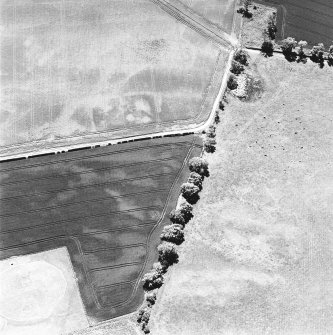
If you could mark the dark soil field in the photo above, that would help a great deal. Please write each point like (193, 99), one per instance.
(78, 72)
(106, 205)
(309, 20)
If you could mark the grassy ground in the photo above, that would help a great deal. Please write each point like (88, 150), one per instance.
(253, 32)
(106, 205)
(77, 72)
(258, 255)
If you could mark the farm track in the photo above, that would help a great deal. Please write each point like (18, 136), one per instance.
(210, 33)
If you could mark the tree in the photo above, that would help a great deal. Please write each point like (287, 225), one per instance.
(199, 165)
(330, 56)
(236, 67)
(190, 192)
(241, 56)
(317, 53)
(267, 48)
(217, 117)
(209, 144)
(152, 279)
(245, 9)
(196, 179)
(288, 45)
(177, 217)
(232, 82)
(221, 104)
(143, 318)
(167, 253)
(151, 298)
(301, 53)
(211, 132)
(173, 233)
(271, 27)
(186, 209)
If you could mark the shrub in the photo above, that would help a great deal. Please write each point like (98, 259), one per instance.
(217, 117)
(150, 298)
(145, 328)
(167, 254)
(190, 192)
(199, 165)
(241, 57)
(267, 48)
(209, 145)
(236, 67)
(196, 179)
(271, 27)
(152, 279)
(232, 82)
(173, 233)
(186, 209)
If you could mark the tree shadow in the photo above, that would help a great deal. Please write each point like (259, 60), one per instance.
(290, 56)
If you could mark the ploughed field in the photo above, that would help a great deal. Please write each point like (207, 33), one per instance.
(106, 205)
(310, 20)
(75, 72)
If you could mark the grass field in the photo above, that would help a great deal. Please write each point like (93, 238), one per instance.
(257, 258)
(106, 205)
(39, 295)
(75, 72)
(308, 20)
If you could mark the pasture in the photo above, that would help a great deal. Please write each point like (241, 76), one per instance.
(106, 205)
(309, 20)
(75, 72)
(258, 253)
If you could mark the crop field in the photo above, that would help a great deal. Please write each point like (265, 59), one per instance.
(75, 72)
(218, 12)
(309, 20)
(106, 205)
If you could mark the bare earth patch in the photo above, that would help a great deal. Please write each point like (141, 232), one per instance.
(258, 255)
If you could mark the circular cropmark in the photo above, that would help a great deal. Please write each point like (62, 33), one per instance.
(30, 292)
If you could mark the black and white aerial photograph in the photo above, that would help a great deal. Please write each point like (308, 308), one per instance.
(166, 167)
